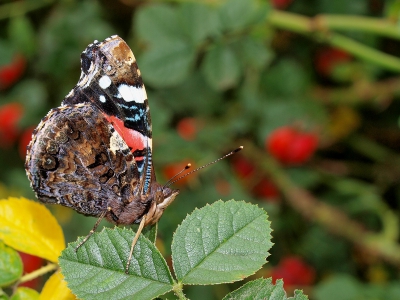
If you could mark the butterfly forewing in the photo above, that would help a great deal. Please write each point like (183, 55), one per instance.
(111, 80)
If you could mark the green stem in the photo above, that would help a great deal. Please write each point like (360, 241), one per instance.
(38, 272)
(319, 27)
(179, 291)
(377, 26)
(18, 8)
(324, 23)
(362, 51)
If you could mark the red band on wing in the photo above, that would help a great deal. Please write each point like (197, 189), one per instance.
(134, 139)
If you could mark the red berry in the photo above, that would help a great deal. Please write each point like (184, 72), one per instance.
(11, 72)
(10, 114)
(302, 148)
(24, 140)
(242, 166)
(266, 189)
(187, 128)
(31, 263)
(291, 146)
(327, 59)
(281, 4)
(294, 271)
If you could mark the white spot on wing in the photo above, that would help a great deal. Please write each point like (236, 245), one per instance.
(117, 143)
(104, 82)
(102, 98)
(131, 93)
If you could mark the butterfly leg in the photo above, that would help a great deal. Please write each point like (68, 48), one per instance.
(141, 225)
(94, 228)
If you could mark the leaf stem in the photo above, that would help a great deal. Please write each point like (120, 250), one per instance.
(38, 272)
(320, 27)
(179, 291)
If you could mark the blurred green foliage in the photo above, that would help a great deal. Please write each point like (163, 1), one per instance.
(242, 69)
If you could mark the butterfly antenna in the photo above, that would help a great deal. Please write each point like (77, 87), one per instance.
(170, 182)
(176, 175)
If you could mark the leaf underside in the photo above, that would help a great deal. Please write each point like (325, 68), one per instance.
(97, 269)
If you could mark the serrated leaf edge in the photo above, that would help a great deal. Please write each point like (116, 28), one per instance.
(207, 205)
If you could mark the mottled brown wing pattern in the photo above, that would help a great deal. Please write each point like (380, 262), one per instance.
(78, 160)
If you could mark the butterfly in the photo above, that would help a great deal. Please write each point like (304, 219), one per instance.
(94, 152)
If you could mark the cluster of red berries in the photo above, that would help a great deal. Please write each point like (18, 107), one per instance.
(10, 132)
(12, 113)
(291, 146)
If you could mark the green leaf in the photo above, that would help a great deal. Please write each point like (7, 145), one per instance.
(168, 64)
(221, 67)
(276, 83)
(198, 21)
(97, 269)
(7, 52)
(254, 53)
(10, 265)
(222, 242)
(157, 24)
(263, 289)
(22, 34)
(36, 92)
(237, 14)
(188, 97)
(150, 232)
(339, 287)
(3, 295)
(66, 33)
(24, 293)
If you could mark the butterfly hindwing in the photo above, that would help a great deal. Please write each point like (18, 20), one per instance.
(79, 161)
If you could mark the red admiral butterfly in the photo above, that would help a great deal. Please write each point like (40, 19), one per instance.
(94, 152)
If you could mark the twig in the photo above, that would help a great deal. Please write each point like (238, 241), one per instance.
(373, 92)
(38, 272)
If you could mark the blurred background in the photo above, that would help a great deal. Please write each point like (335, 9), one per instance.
(310, 88)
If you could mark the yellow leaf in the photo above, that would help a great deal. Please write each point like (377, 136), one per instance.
(56, 288)
(29, 227)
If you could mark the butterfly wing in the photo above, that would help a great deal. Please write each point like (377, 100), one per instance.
(111, 81)
(78, 160)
